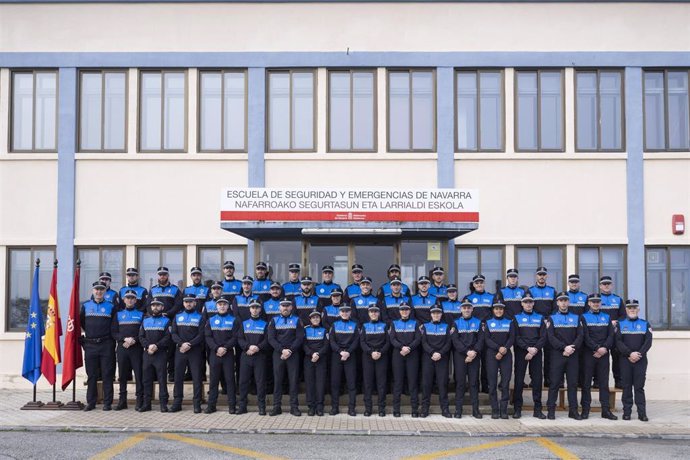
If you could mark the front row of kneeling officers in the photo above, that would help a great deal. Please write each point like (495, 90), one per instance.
(402, 343)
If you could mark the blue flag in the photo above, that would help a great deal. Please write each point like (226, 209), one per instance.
(33, 347)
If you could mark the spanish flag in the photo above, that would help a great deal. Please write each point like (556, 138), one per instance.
(51, 343)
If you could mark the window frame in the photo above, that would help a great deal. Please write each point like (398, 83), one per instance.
(516, 118)
(100, 249)
(183, 247)
(222, 71)
(479, 248)
(10, 125)
(600, 248)
(598, 72)
(315, 100)
(222, 249)
(8, 272)
(351, 72)
(540, 263)
(162, 73)
(665, 71)
(669, 325)
(478, 72)
(410, 71)
(102, 72)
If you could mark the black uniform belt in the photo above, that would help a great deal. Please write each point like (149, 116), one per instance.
(97, 339)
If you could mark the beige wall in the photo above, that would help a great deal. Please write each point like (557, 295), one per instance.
(666, 192)
(361, 27)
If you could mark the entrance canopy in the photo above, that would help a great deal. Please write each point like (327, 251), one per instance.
(261, 213)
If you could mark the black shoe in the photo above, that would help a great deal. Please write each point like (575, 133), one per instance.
(334, 411)
(121, 405)
(275, 411)
(311, 412)
(319, 412)
(584, 415)
(197, 408)
(262, 411)
(352, 413)
(396, 414)
(232, 410)
(243, 410)
(495, 414)
(89, 407)
(296, 412)
(619, 385)
(476, 413)
(626, 416)
(446, 413)
(107, 407)
(539, 414)
(164, 408)
(642, 418)
(504, 413)
(608, 415)
(382, 412)
(175, 408)
(367, 413)
(146, 408)
(574, 415)
(209, 409)
(457, 414)
(424, 413)
(415, 414)
(517, 413)
(552, 414)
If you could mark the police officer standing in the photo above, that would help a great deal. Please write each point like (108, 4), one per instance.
(599, 338)
(374, 342)
(188, 336)
(344, 339)
(99, 323)
(363, 301)
(272, 305)
(467, 341)
(499, 337)
(577, 298)
(210, 306)
(386, 288)
(221, 332)
(633, 340)
(293, 285)
(437, 288)
(110, 295)
(512, 294)
(285, 335)
(331, 313)
(241, 301)
(436, 345)
(564, 332)
(231, 285)
(481, 302)
(390, 303)
(155, 339)
(306, 301)
(530, 338)
(129, 351)
(324, 288)
(612, 305)
(253, 343)
(171, 297)
(422, 301)
(405, 338)
(133, 284)
(201, 292)
(316, 347)
(452, 306)
(544, 304)
(352, 291)
(262, 282)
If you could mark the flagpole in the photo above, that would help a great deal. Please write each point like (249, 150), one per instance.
(33, 404)
(73, 404)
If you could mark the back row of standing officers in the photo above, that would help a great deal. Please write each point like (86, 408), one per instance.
(261, 330)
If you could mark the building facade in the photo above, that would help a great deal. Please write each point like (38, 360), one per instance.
(120, 123)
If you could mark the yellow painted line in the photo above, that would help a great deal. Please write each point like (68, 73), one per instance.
(121, 447)
(220, 447)
(469, 449)
(556, 449)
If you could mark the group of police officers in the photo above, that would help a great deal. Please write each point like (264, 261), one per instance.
(256, 332)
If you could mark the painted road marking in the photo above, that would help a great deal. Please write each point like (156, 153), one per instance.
(121, 447)
(556, 449)
(220, 447)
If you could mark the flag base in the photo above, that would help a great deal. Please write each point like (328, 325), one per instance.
(52, 405)
(32, 405)
(72, 405)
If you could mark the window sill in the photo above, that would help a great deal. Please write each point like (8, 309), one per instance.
(162, 156)
(666, 155)
(354, 156)
(12, 336)
(541, 156)
(670, 334)
(28, 156)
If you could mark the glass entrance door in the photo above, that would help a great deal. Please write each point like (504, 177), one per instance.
(376, 258)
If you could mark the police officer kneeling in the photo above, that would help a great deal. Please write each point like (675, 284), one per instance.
(188, 336)
(221, 337)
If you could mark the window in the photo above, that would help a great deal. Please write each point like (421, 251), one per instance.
(539, 121)
(102, 110)
(291, 110)
(668, 287)
(528, 259)
(34, 111)
(411, 110)
(479, 110)
(211, 259)
(352, 111)
(599, 110)
(150, 258)
(278, 255)
(485, 260)
(97, 260)
(223, 111)
(20, 275)
(666, 112)
(595, 262)
(162, 111)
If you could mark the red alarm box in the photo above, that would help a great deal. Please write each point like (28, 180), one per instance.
(678, 222)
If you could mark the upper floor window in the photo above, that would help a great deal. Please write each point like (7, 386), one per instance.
(666, 114)
(291, 110)
(223, 111)
(411, 110)
(668, 287)
(34, 111)
(539, 120)
(479, 110)
(162, 111)
(102, 110)
(599, 110)
(352, 110)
